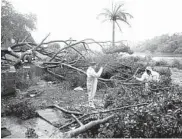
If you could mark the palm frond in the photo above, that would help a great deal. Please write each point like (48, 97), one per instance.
(128, 14)
(116, 14)
(112, 7)
(118, 26)
(105, 20)
(118, 8)
(108, 11)
(104, 14)
(122, 15)
(125, 21)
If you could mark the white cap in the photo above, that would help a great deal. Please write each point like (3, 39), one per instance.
(148, 68)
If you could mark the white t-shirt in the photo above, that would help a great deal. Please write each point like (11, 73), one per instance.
(154, 76)
(91, 74)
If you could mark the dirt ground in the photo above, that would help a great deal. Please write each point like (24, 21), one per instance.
(46, 94)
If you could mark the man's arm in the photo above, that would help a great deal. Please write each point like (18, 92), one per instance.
(96, 75)
(142, 78)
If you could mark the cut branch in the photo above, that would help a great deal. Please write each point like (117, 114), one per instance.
(42, 42)
(116, 109)
(55, 75)
(86, 127)
(67, 111)
(26, 38)
(77, 119)
(106, 111)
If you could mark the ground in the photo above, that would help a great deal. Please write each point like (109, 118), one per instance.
(47, 94)
(44, 94)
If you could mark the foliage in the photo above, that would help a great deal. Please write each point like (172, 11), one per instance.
(118, 49)
(15, 25)
(161, 62)
(47, 77)
(115, 15)
(161, 118)
(30, 133)
(53, 47)
(162, 44)
(176, 63)
(22, 109)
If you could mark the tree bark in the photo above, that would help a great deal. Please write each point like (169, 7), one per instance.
(113, 33)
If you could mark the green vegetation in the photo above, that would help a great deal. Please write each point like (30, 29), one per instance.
(162, 44)
(15, 26)
(175, 63)
(115, 15)
(21, 109)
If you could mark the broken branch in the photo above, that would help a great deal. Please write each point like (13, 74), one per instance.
(116, 109)
(56, 75)
(42, 42)
(77, 119)
(67, 111)
(26, 38)
(86, 127)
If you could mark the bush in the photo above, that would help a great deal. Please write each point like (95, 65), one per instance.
(160, 119)
(177, 64)
(22, 110)
(161, 62)
(47, 77)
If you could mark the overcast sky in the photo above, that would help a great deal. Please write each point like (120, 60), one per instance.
(78, 18)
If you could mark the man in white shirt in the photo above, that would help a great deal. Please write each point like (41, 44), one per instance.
(92, 80)
(149, 75)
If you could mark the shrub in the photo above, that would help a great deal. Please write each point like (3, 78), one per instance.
(161, 62)
(165, 75)
(47, 77)
(160, 119)
(177, 64)
(22, 110)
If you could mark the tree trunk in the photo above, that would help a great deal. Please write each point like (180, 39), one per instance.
(113, 33)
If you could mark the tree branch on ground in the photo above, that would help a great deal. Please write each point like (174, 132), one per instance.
(55, 75)
(86, 127)
(80, 123)
(67, 111)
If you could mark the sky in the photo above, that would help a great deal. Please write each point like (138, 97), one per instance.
(78, 19)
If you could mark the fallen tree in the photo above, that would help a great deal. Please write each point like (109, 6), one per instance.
(55, 58)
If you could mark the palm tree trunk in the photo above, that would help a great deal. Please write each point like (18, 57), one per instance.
(113, 33)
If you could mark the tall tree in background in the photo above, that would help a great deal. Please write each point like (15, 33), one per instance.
(15, 26)
(115, 15)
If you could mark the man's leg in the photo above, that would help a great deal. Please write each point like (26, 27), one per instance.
(146, 87)
(94, 88)
(93, 92)
(90, 92)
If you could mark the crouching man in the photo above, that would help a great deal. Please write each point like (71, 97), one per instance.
(148, 76)
(92, 80)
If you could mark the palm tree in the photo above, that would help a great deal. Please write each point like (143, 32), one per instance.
(115, 15)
